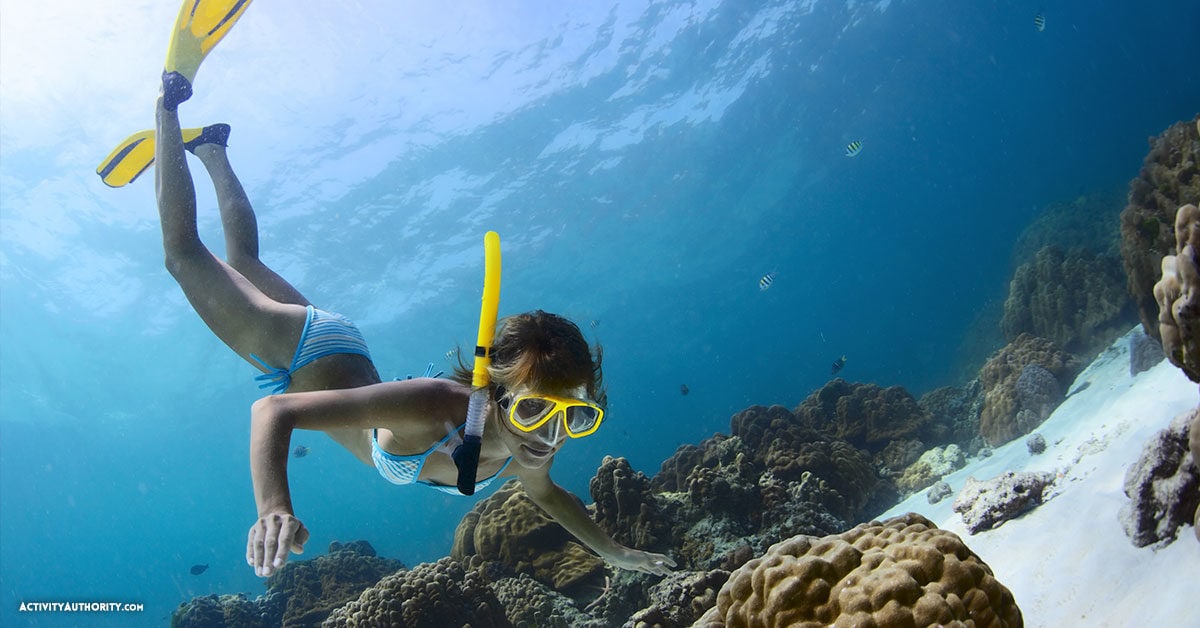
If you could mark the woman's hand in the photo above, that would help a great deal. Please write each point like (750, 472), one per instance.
(270, 539)
(637, 560)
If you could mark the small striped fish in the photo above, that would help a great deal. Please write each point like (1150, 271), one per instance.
(1039, 22)
(766, 281)
(853, 148)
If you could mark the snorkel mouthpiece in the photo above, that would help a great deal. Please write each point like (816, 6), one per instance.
(466, 454)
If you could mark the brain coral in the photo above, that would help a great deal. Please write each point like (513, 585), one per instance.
(1076, 298)
(1170, 177)
(1178, 295)
(901, 572)
(429, 595)
(509, 528)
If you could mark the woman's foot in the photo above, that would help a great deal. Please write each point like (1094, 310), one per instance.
(217, 134)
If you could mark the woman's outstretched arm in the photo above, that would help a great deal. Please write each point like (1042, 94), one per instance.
(277, 529)
(346, 415)
(569, 512)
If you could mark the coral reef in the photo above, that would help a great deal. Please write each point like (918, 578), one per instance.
(733, 496)
(986, 505)
(1178, 295)
(787, 445)
(864, 415)
(930, 467)
(430, 595)
(528, 602)
(625, 505)
(1090, 222)
(680, 599)
(230, 611)
(1144, 353)
(1075, 298)
(1169, 178)
(303, 593)
(315, 587)
(510, 529)
(956, 412)
(901, 572)
(1163, 485)
(1016, 401)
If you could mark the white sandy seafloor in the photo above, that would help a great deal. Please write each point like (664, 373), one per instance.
(1068, 562)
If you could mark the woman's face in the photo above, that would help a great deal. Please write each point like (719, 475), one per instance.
(537, 448)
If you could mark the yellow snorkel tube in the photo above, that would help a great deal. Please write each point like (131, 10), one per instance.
(466, 454)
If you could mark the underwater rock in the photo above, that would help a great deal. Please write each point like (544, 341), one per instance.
(986, 505)
(939, 491)
(1163, 485)
(1036, 443)
(1038, 394)
(1006, 394)
(1075, 298)
(313, 588)
(1194, 446)
(509, 528)
(1144, 353)
(930, 467)
(900, 572)
(1178, 296)
(1169, 179)
(432, 595)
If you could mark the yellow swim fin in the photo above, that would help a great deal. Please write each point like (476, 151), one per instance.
(200, 26)
(133, 156)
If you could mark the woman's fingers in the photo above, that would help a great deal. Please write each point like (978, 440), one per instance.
(270, 539)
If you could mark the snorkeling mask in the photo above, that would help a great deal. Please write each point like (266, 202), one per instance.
(531, 412)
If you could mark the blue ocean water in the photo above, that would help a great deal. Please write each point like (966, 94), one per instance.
(645, 163)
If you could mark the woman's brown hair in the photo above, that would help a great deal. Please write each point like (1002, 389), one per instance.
(543, 351)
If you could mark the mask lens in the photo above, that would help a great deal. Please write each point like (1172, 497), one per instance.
(529, 410)
(581, 418)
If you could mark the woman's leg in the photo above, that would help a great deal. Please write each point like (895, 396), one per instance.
(240, 314)
(241, 228)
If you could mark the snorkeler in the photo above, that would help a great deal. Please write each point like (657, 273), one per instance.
(546, 383)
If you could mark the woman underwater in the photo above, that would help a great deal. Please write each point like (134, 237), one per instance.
(545, 380)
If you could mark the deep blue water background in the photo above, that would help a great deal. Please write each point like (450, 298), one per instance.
(644, 163)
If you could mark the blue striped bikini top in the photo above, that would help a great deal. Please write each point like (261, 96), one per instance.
(325, 333)
(407, 469)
